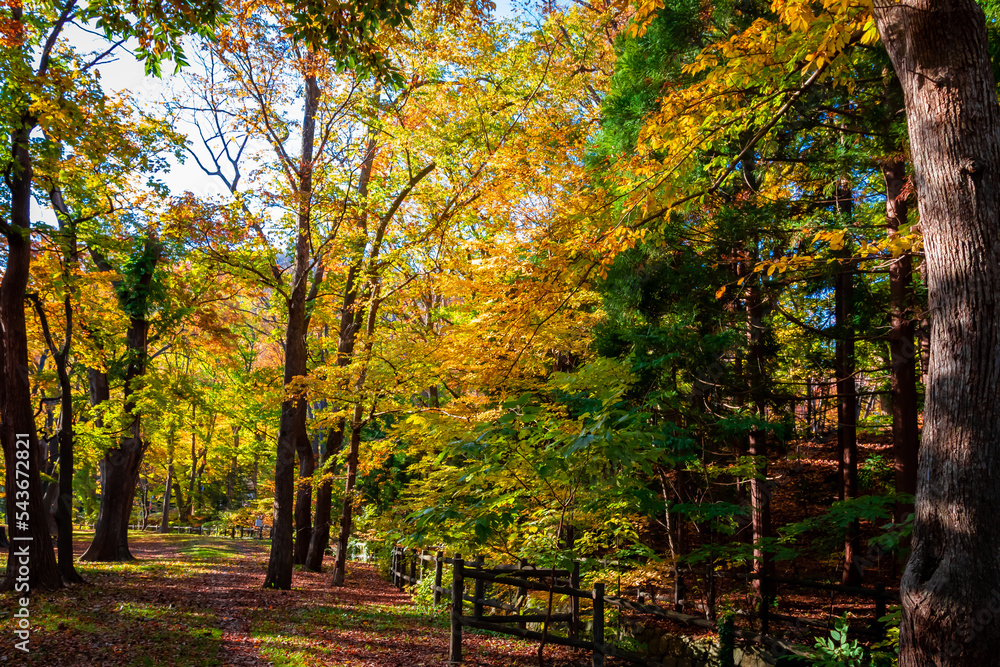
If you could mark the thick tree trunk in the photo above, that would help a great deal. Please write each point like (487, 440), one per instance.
(120, 466)
(27, 521)
(951, 604)
(119, 476)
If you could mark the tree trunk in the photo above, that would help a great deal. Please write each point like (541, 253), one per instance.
(347, 507)
(303, 496)
(902, 344)
(179, 494)
(847, 397)
(234, 471)
(760, 497)
(121, 464)
(324, 494)
(165, 518)
(26, 515)
(64, 506)
(351, 318)
(346, 516)
(949, 591)
(293, 410)
(194, 468)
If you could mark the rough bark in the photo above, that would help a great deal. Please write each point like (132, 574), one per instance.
(27, 522)
(949, 591)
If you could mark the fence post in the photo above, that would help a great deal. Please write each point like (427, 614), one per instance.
(478, 591)
(457, 584)
(392, 566)
(574, 601)
(400, 582)
(597, 659)
(413, 567)
(438, 571)
(522, 592)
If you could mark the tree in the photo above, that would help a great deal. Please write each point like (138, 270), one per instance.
(34, 69)
(940, 53)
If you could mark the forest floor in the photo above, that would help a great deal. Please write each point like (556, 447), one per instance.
(197, 601)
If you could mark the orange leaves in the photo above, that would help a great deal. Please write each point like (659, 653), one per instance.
(645, 11)
(827, 34)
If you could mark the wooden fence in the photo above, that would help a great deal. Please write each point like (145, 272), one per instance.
(410, 567)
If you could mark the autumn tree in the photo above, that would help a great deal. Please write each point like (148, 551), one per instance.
(35, 70)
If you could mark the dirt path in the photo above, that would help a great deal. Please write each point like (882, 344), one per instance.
(223, 589)
(194, 601)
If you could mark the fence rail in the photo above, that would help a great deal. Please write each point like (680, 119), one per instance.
(411, 567)
(245, 532)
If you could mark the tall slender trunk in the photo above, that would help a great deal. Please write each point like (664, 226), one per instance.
(292, 428)
(760, 497)
(165, 518)
(949, 591)
(847, 398)
(303, 496)
(324, 493)
(357, 422)
(234, 471)
(347, 507)
(351, 318)
(179, 495)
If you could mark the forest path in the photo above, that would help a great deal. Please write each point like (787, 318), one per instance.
(191, 601)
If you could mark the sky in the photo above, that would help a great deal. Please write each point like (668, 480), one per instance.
(124, 73)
